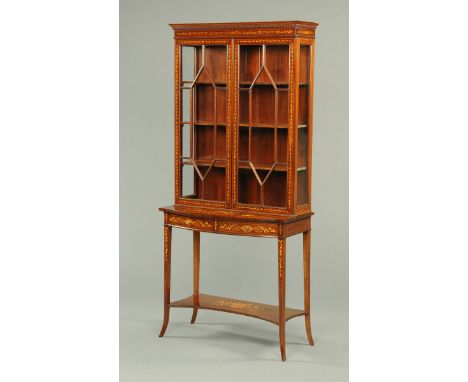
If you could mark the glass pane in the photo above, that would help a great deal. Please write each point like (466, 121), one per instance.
(263, 96)
(249, 63)
(303, 127)
(204, 103)
(243, 106)
(188, 174)
(221, 104)
(277, 62)
(204, 142)
(188, 63)
(186, 140)
(215, 64)
(185, 114)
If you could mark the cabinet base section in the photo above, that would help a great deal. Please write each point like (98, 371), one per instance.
(246, 308)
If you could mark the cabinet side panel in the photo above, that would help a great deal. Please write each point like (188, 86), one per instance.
(177, 107)
(304, 125)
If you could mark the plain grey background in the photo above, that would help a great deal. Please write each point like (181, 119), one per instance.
(222, 346)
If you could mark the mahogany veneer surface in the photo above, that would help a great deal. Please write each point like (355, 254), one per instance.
(246, 308)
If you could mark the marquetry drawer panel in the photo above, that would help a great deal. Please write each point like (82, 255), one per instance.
(192, 223)
(254, 229)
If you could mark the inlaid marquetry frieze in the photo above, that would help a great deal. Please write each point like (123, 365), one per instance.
(251, 228)
(190, 222)
(239, 32)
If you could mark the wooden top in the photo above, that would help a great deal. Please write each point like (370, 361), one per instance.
(245, 29)
(245, 25)
(231, 214)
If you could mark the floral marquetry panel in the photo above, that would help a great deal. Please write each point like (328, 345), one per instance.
(244, 226)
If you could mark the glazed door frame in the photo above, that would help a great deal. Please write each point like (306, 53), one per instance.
(291, 123)
(178, 122)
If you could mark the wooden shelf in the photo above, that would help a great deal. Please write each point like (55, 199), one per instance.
(269, 125)
(283, 85)
(246, 308)
(217, 83)
(221, 163)
(243, 84)
(259, 125)
(247, 84)
(203, 123)
(264, 125)
(263, 166)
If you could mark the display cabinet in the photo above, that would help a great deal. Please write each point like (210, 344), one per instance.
(243, 148)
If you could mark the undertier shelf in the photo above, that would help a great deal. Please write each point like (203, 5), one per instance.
(265, 312)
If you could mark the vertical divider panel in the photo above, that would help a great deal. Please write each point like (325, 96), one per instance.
(229, 124)
(291, 126)
(177, 108)
(310, 120)
(235, 119)
(296, 120)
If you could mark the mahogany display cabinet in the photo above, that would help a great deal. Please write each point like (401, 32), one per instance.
(243, 149)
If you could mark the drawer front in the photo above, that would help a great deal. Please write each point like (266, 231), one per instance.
(191, 223)
(225, 226)
(253, 229)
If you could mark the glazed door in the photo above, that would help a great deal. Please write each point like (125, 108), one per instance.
(263, 125)
(202, 123)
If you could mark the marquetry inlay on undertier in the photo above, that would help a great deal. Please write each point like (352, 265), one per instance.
(236, 305)
(254, 309)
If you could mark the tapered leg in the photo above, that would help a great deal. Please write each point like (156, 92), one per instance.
(282, 295)
(196, 274)
(167, 276)
(306, 250)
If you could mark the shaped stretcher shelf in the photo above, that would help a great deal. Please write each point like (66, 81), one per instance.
(246, 308)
